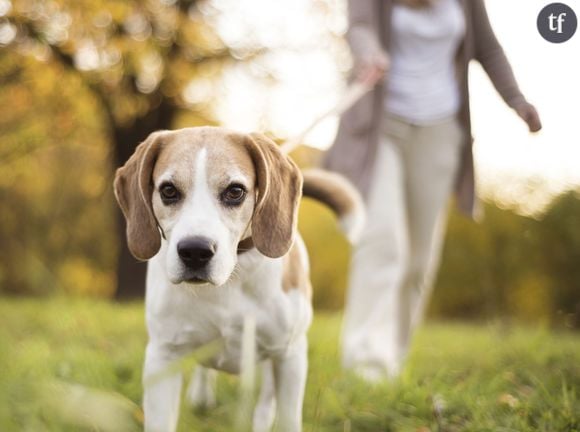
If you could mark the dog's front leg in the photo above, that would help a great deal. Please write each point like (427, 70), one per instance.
(162, 389)
(290, 380)
(266, 406)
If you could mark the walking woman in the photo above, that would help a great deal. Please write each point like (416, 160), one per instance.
(407, 146)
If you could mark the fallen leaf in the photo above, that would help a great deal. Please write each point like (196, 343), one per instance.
(509, 400)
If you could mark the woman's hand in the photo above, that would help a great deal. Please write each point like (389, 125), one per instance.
(529, 114)
(372, 70)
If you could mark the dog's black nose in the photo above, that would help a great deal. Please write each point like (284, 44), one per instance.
(196, 252)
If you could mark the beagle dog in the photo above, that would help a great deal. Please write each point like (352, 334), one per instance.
(215, 214)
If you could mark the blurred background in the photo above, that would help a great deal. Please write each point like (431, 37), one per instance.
(83, 82)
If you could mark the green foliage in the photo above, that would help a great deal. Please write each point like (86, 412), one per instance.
(133, 55)
(513, 266)
(329, 254)
(55, 200)
(459, 377)
(84, 81)
(560, 251)
(82, 84)
(506, 266)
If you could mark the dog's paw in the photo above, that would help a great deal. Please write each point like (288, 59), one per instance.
(264, 414)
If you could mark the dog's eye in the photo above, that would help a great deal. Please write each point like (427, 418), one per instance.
(233, 195)
(169, 193)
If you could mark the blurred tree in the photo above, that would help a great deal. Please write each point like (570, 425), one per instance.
(487, 266)
(513, 266)
(55, 201)
(559, 234)
(136, 58)
(82, 83)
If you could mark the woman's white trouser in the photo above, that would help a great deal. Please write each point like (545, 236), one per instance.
(394, 264)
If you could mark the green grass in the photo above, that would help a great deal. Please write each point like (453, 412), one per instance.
(490, 378)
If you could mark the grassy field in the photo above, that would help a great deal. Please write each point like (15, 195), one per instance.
(66, 363)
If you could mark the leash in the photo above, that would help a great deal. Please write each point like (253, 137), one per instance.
(353, 94)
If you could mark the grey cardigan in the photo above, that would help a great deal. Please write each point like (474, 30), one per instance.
(353, 152)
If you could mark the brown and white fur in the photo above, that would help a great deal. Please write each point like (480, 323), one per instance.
(215, 214)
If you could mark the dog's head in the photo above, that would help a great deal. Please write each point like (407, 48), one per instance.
(204, 190)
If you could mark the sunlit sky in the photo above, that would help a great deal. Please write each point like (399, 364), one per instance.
(309, 61)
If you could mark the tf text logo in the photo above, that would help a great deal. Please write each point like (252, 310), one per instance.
(557, 22)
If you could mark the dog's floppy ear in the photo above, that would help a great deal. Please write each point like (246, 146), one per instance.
(279, 191)
(133, 189)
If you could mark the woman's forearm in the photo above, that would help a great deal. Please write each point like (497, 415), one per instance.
(491, 55)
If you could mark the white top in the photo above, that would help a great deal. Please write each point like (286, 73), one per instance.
(421, 84)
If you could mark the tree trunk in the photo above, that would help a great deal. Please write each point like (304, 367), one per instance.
(130, 272)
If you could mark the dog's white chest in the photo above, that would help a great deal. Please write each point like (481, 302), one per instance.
(187, 320)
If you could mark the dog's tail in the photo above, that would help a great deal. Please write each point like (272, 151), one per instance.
(340, 195)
